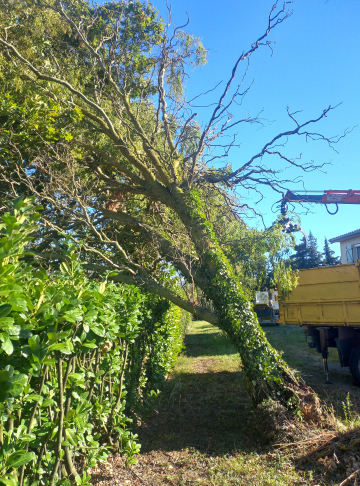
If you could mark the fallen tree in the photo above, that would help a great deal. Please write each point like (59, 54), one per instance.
(119, 161)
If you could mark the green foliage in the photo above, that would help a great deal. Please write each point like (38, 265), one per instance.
(329, 259)
(309, 257)
(67, 362)
(123, 137)
(314, 256)
(352, 419)
(286, 279)
(153, 353)
(254, 254)
(191, 48)
(31, 117)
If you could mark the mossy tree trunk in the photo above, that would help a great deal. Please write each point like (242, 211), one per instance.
(267, 375)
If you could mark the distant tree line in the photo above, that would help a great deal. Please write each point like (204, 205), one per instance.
(311, 257)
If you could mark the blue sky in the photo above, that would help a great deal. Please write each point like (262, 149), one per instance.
(315, 63)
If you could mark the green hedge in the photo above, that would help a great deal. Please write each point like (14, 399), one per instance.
(79, 362)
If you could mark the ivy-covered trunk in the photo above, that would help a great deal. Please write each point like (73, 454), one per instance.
(266, 374)
(148, 155)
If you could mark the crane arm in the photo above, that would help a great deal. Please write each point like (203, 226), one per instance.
(326, 197)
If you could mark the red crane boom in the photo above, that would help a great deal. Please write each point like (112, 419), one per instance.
(327, 197)
(323, 197)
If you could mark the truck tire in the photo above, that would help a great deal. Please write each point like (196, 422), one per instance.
(355, 363)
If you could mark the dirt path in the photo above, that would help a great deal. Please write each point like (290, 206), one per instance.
(204, 431)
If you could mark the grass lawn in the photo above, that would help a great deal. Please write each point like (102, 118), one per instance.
(205, 431)
(292, 341)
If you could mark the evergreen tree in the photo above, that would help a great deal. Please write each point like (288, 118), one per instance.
(314, 256)
(329, 259)
(299, 259)
(309, 257)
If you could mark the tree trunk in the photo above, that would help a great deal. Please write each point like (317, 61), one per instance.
(266, 374)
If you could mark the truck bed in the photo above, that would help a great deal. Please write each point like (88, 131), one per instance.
(325, 296)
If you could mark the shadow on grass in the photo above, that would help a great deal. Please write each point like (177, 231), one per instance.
(292, 341)
(202, 406)
(207, 408)
(210, 412)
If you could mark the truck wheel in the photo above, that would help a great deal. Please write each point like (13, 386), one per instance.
(355, 363)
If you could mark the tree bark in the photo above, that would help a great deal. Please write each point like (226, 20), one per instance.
(266, 374)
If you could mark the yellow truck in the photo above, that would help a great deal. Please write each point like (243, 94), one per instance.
(326, 302)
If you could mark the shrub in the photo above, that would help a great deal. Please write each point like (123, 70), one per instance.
(77, 361)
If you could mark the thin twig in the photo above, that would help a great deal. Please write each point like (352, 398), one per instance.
(355, 473)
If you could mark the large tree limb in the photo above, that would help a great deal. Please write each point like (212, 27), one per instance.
(145, 283)
(149, 285)
(111, 161)
(120, 144)
(184, 262)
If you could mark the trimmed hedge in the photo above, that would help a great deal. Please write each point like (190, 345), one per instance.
(79, 362)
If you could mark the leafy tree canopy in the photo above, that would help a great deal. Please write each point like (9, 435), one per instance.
(96, 123)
